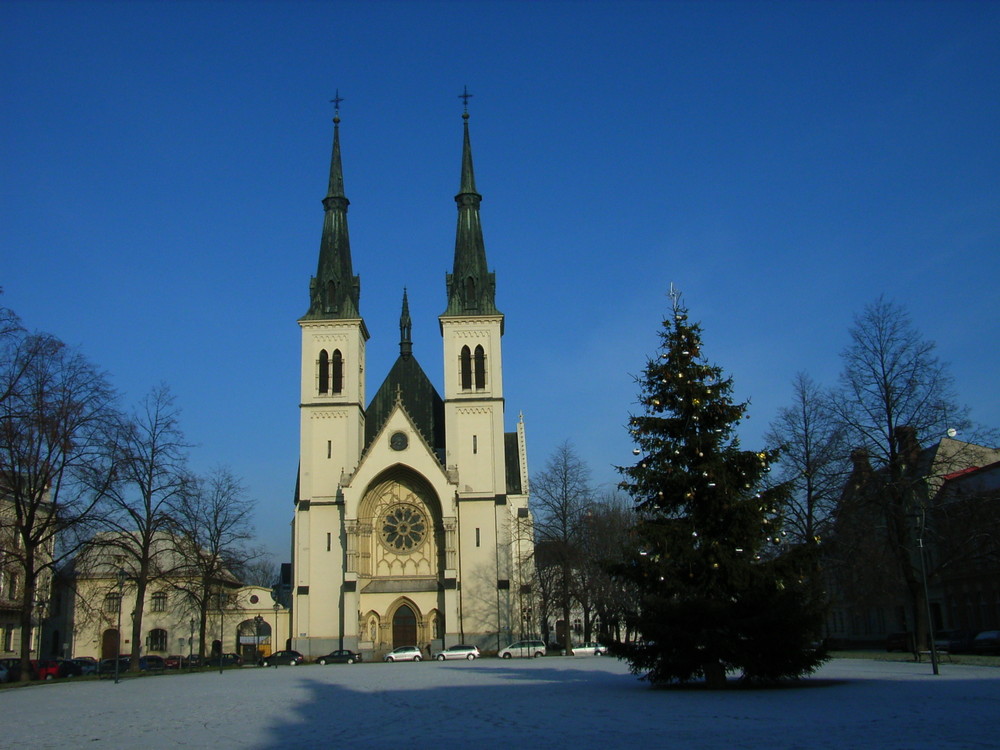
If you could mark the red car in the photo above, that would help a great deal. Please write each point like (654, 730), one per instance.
(45, 669)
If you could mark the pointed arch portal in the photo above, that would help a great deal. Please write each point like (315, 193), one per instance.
(404, 627)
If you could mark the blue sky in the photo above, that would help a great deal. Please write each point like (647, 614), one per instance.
(783, 164)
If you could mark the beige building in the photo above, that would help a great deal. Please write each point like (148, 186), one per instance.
(411, 518)
(93, 606)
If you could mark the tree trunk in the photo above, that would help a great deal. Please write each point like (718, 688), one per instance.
(715, 675)
(27, 609)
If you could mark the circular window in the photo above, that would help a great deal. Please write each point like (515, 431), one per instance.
(254, 598)
(404, 528)
(399, 441)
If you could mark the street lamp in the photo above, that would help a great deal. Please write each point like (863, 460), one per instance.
(118, 651)
(257, 622)
(274, 635)
(927, 597)
(191, 644)
(222, 630)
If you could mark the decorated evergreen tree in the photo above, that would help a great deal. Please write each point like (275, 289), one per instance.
(720, 591)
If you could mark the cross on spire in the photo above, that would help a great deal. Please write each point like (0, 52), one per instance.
(465, 96)
(337, 99)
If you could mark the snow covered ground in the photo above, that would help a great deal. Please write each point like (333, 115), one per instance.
(556, 702)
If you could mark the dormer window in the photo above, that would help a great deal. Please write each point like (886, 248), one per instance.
(470, 292)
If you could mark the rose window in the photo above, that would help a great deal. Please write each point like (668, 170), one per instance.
(403, 528)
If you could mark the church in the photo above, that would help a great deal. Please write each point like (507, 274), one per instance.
(412, 525)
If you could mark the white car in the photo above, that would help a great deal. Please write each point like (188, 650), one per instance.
(459, 651)
(525, 649)
(404, 653)
(589, 649)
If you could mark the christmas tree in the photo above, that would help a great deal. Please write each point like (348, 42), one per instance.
(719, 591)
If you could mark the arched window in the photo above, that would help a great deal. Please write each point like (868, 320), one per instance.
(337, 362)
(158, 602)
(480, 368)
(324, 372)
(158, 640)
(465, 365)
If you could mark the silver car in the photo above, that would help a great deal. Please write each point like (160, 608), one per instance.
(459, 651)
(525, 649)
(404, 653)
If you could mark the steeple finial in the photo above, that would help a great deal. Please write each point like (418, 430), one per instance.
(335, 291)
(471, 286)
(405, 325)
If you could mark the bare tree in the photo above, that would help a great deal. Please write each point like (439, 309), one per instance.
(212, 530)
(561, 494)
(894, 390)
(55, 408)
(813, 461)
(151, 456)
(607, 526)
(262, 571)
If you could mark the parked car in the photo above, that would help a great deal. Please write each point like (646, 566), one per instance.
(87, 664)
(960, 641)
(459, 651)
(404, 653)
(69, 668)
(4, 674)
(107, 666)
(524, 649)
(152, 663)
(13, 665)
(987, 642)
(591, 648)
(291, 658)
(228, 660)
(45, 669)
(175, 661)
(899, 642)
(341, 656)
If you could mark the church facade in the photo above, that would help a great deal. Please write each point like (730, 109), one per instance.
(412, 525)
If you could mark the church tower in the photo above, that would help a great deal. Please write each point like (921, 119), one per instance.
(332, 389)
(411, 524)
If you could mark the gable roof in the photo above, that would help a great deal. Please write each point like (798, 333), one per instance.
(408, 383)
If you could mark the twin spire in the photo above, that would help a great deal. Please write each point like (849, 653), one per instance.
(335, 291)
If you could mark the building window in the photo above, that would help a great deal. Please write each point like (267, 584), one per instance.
(112, 603)
(158, 640)
(12, 586)
(8, 638)
(465, 365)
(159, 602)
(337, 371)
(475, 444)
(324, 372)
(477, 536)
(480, 368)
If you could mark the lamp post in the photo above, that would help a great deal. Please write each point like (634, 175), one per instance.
(118, 650)
(274, 636)
(927, 597)
(222, 630)
(191, 644)
(256, 629)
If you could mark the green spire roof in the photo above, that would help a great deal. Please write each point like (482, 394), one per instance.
(471, 286)
(335, 291)
(405, 326)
